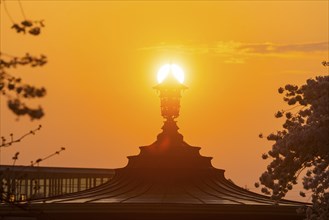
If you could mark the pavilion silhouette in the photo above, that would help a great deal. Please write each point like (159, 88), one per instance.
(168, 179)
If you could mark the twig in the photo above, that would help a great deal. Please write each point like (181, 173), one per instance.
(22, 10)
(47, 157)
(12, 140)
(7, 12)
(15, 158)
(6, 54)
(292, 108)
(300, 171)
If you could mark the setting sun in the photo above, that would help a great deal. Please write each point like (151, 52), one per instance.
(172, 69)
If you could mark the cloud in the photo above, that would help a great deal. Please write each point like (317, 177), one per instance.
(265, 48)
(239, 52)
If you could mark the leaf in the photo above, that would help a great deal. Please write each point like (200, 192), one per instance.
(26, 23)
(35, 31)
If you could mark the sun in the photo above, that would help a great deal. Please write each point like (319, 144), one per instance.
(172, 69)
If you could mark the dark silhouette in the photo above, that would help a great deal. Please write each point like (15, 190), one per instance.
(303, 144)
(13, 87)
(168, 179)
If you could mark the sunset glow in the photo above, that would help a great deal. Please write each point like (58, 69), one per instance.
(105, 57)
(172, 69)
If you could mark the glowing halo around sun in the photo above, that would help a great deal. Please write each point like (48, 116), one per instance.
(168, 69)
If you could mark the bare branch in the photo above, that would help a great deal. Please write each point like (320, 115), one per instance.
(13, 141)
(47, 157)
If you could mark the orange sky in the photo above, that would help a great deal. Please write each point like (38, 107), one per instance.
(103, 58)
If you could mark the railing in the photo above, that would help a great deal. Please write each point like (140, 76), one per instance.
(21, 183)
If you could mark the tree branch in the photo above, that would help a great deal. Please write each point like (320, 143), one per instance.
(13, 141)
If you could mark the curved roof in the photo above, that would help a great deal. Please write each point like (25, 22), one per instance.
(170, 176)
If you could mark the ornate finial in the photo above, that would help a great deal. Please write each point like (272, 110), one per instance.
(170, 78)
